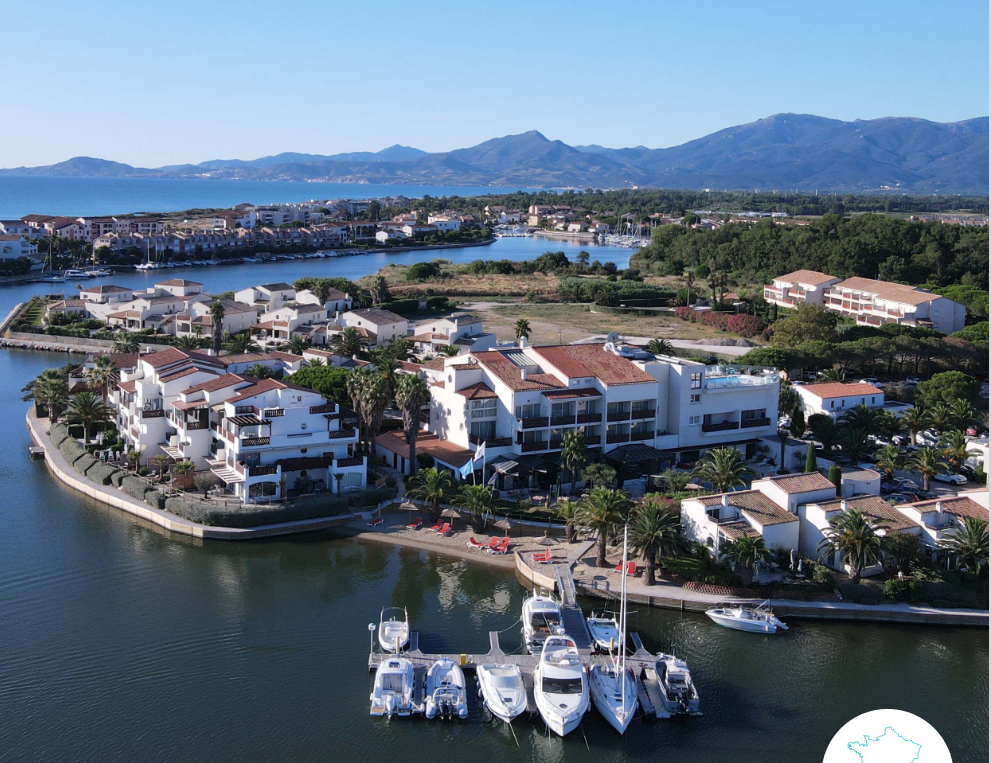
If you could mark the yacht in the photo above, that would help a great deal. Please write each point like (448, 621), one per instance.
(446, 695)
(393, 632)
(604, 630)
(677, 691)
(392, 693)
(502, 690)
(560, 689)
(74, 274)
(742, 617)
(612, 685)
(541, 618)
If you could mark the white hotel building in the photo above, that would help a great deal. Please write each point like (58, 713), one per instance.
(641, 412)
(249, 432)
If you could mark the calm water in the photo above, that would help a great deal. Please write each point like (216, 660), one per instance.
(24, 194)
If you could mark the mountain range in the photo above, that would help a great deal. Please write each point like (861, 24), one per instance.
(783, 152)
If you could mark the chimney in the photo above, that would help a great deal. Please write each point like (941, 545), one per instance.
(725, 497)
(843, 504)
(939, 507)
(523, 370)
(523, 342)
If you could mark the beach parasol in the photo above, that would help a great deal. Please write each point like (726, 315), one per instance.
(504, 524)
(450, 514)
(408, 506)
(548, 540)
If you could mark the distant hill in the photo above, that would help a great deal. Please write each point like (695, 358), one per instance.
(782, 152)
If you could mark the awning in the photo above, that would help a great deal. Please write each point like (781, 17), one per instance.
(185, 406)
(504, 465)
(634, 454)
(535, 462)
(249, 420)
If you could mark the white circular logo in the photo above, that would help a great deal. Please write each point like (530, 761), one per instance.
(887, 736)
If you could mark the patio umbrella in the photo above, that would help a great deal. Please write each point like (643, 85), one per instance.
(504, 524)
(799, 566)
(408, 506)
(450, 514)
(547, 540)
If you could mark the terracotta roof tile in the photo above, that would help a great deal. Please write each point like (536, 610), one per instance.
(510, 374)
(755, 505)
(811, 277)
(828, 390)
(875, 507)
(479, 391)
(891, 292)
(212, 385)
(800, 483)
(442, 450)
(578, 361)
(959, 506)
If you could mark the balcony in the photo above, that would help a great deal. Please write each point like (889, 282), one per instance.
(153, 413)
(251, 442)
(328, 408)
(618, 416)
(529, 447)
(611, 438)
(644, 414)
(638, 436)
(562, 420)
(593, 440)
(261, 471)
(751, 423)
(352, 461)
(272, 413)
(491, 442)
(192, 426)
(721, 426)
(589, 418)
(340, 434)
(534, 422)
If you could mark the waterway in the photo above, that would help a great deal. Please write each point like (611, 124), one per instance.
(119, 642)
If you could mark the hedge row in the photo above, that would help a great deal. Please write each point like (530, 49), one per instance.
(71, 449)
(117, 478)
(84, 463)
(134, 487)
(255, 515)
(104, 473)
(58, 433)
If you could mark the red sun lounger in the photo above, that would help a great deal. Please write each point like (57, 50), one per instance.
(493, 542)
(631, 568)
(376, 522)
(445, 529)
(436, 527)
(472, 543)
(415, 525)
(502, 548)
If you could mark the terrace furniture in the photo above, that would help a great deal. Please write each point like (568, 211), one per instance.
(436, 527)
(376, 522)
(631, 568)
(445, 529)
(502, 548)
(474, 544)
(415, 525)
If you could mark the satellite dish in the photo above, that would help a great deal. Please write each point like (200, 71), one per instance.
(612, 336)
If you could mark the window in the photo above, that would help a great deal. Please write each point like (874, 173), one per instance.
(529, 411)
(483, 430)
(695, 399)
(697, 380)
(694, 421)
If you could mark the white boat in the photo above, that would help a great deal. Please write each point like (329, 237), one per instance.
(392, 693)
(604, 629)
(446, 695)
(53, 279)
(612, 686)
(541, 618)
(502, 690)
(741, 617)
(74, 274)
(677, 691)
(393, 632)
(560, 688)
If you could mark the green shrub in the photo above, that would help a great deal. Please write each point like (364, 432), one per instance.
(401, 306)
(71, 450)
(86, 464)
(893, 588)
(821, 575)
(155, 499)
(255, 516)
(58, 433)
(134, 487)
(103, 473)
(117, 477)
(370, 497)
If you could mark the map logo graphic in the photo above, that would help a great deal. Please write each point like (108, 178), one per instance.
(887, 736)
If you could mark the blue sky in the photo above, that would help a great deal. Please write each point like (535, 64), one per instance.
(160, 83)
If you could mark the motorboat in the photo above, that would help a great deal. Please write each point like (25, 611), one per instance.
(393, 632)
(502, 689)
(541, 618)
(612, 685)
(446, 695)
(560, 688)
(74, 274)
(743, 617)
(605, 630)
(677, 691)
(53, 279)
(392, 693)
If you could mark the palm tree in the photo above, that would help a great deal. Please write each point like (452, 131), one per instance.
(217, 313)
(854, 537)
(954, 449)
(655, 532)
(296, 345)
(567, 512)
(826, 431)
(927, 462)
(88, 410)
(369, 396)
(400, 349)
(574, 454)
(748, 551)
(102, 374)
(412, 394)
(660, 347)
(125, 343)
(450, 350)
(338, 478)
(724, 469)
(51, 393)
(603, 510)
(915, 420)
(478, 501)
(860, 416)
(853, 440)
(889, 425)
(889, 459)
(433, 486)
(240, 343)
(259, 371)
(832, 375)
(969, 544)
(187, 342)
(160, 461)
(349, 342)
(380, 290)
(962, 414)
(689, 283)
(522, 329)
(181, 467)
(941, 418)
(316, 362)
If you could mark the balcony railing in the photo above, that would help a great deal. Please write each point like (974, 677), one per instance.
(153, 413)
(533, 422)
(340, 434)
(261, 471)
(645, 414)
(352, 461)
(250, 442)
(721, 426)
(529, 447)
(192, 426)
(618, 416)
(490, 442)
(589, 418)
(562, 420)
(327, 408)
(750, 423)
(271, 413)
(635, 436)
(611, 438)
(593, 440)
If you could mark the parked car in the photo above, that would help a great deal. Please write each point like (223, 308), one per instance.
(915, 487)
(913, 380)
(871, 380)
(972, 432)
(903, 497)
(969, 472)
(951, 478)
(889, 486)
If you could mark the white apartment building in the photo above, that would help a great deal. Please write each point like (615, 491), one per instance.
(940, 517)
(463, 330)
(197, 321)
(269, 296)
(275, 327)
(383, 326)
(836, 398)
(251, 433)
(869, 302)
(16, 245)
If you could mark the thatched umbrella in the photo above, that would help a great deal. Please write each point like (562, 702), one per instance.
(408, 506)
(504, 524)
(548, 540)
(450, 514)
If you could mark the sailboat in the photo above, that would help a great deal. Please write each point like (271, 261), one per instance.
(49, 263)
(612, 685)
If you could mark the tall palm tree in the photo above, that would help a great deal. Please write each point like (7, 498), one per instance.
(660, 347)
(369, 396)
(748, 551)
(102, 374)
(412, 394)
(689, 283)
(400, 349)
(259, 371)
(832, 375)
(826, 431)
(450, 350)
(953, 447)
(852, 535)
(349, 342)
(926, 462)
(52, 394)
(522, 329)
(125, 342)
(969, 544)
(433, 486)
(889, 425)
(941, 418)
(853, 440)
(962, 414)
(655, 532)
(477, 500)
(889, 459)
(724, 469)
(574, 454)
(601, 512)
(88, 410)
(187, 342)
(915, 420)
(567, 511)
(240, 343)
(217, 313)
(860, 416)
(296, 345)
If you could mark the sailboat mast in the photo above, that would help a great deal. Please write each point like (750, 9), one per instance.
(622, 622)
